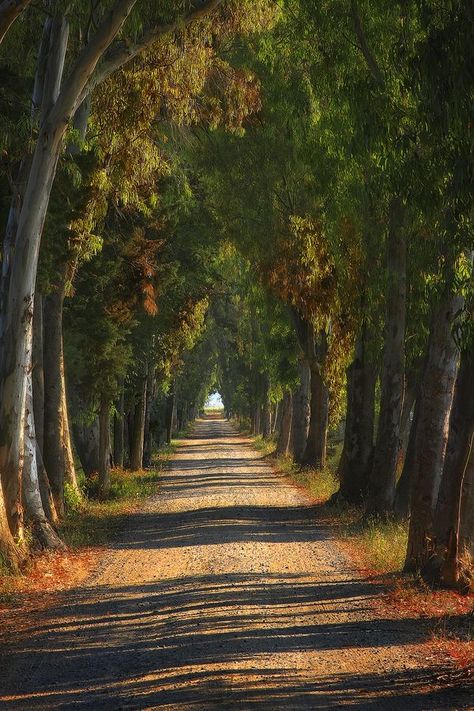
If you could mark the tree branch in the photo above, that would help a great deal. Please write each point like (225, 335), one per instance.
(86, 62)
(364, 45)
(122, 54)
(9, 11)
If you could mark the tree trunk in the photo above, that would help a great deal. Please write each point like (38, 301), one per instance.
(466, 528)
(266, 411)
(70, 476)
(19, 314)
(458, 451)
(316, 443)
(384, 467)
(147, 443)
(104, 447)
(86, 438)
(276, 419)
(404, 491)
(136, 453)
(45, 489)
(301, 411)
(43, 532)
(9, 11)
(53, 452)
(256, 420)
(436, 396)
(119, 431)
(286, 409)
(38, 371)
(169, 416)
(356, 457)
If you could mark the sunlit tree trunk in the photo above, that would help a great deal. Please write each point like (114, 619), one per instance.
(38, 370)
(20, 304)
(432, 428)
(43, 532)
(448, 508)
(286, 409)
(384, 467)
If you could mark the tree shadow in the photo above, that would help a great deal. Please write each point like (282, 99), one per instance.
(207, 642)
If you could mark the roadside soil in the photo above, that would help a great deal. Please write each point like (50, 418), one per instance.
(226, 591)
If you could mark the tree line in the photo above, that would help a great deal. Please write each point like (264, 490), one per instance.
(274, 198)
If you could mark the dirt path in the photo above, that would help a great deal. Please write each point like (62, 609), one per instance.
(224, 593)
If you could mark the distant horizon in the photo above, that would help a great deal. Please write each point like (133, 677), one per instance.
(214, 402)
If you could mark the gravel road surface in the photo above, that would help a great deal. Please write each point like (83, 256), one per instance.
(227, 591)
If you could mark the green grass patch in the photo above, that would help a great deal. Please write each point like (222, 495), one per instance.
(91, 521)
(379, 544)
(265, 446)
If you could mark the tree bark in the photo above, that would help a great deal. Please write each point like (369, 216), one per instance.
(301, 411)
(38, 371)
(19, 314)
(86, 437)
(458, 451)
(147, 439)
(404, 491)
(381, 493)
(9, 11)
(266, 421)
(357, 452)
(104, 447)
(43, 532)
(70, 475)
(53, 452)
(136, 453)
(283, 445)
(316, 443)
(119, 431)
(436, 396)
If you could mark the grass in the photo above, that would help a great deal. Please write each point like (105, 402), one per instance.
(91, 521)
(378, 547)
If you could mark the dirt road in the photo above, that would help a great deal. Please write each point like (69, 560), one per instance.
(224, 593)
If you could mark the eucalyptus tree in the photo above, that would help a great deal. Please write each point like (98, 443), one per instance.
(88, 66)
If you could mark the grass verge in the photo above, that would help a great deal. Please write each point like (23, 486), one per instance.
(89, 524)
(378, 548)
